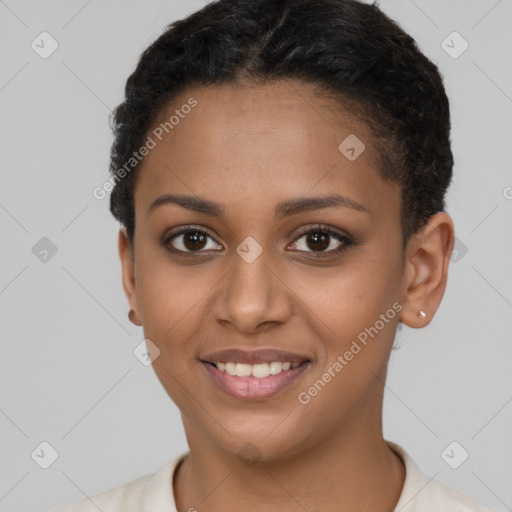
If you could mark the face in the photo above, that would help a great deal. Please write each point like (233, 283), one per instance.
(257, 259)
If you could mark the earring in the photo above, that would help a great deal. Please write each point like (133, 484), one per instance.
(422, 314)
(131, 316)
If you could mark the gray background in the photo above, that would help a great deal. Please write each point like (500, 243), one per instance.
(68, 374)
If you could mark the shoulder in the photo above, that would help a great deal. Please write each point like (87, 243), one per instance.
(149, 492)
(449, 499)
(126, 497)
(421, 493)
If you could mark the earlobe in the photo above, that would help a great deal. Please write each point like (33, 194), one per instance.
(128, 274)
(133, 319)
(427, 258)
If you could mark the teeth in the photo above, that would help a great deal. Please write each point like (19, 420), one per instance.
(259, 370)
(243, 370)
(231, 368)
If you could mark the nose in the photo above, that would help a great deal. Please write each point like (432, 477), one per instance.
(253, 296)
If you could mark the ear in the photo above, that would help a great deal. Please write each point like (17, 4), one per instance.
(126, 256)
(428, 255)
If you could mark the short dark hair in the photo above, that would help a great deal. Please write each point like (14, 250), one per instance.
(352, 50)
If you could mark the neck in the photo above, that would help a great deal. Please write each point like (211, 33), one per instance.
(351, 470)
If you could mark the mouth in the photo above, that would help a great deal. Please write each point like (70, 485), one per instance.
(255, 381)
(258, 370)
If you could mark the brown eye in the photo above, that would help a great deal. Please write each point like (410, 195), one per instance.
(318, 241)
(322, 240)
(190, 240)
(194, 240)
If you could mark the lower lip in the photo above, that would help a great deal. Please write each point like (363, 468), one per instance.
(255, 388)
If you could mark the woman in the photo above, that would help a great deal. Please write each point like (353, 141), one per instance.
(279, 171)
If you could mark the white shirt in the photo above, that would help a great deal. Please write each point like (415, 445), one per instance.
(154, 493)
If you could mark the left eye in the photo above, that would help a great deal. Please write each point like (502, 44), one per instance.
(322, 240)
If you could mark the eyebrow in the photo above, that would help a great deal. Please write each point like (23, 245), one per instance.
(283, 209)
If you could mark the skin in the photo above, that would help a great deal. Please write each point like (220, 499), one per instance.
(249, 147)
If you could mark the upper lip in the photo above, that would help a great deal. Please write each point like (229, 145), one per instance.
(267, 355)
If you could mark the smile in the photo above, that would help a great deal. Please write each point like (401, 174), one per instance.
(254, 381)
(260, 370)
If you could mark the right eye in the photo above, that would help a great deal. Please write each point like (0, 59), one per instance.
(189, 239)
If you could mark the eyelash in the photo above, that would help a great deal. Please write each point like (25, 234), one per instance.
(346, 241)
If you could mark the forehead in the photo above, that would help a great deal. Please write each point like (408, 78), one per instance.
(288, 110)
(276, 139)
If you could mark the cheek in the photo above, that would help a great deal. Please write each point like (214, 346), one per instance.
(170, 304)
(165, 291)
(352, 364)
(356, 310)
(350, 297)
(169, 300)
